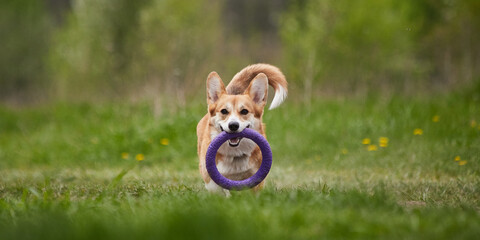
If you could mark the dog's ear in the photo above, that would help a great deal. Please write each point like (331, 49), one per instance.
(215, 88)
(258, 89)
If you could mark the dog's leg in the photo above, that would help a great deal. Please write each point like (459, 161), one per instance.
(259, 187)
(212, 187)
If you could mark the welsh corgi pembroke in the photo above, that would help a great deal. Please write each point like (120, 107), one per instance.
(232, 109)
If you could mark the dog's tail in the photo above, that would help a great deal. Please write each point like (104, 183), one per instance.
(276, 79)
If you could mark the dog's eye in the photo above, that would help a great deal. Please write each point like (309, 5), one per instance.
(224, 111)
(244, 112)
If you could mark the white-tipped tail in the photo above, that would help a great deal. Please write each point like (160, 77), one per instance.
(276, 79)
(280, 95)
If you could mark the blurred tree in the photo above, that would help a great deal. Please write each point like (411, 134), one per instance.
(114, 49)
(25, 29)
(250, 17)
(94, 49)
(449, 40)
(180, 41)
(349, 45)
(90, 49)
(58, 9)
(400, 46)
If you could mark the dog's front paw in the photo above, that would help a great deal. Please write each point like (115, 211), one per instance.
(214, 188)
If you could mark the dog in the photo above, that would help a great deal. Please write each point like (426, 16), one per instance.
(232, 109)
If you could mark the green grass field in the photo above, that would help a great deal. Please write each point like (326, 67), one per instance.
(70, 171)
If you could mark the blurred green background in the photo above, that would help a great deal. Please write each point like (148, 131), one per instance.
(158, 50)
(379, 137)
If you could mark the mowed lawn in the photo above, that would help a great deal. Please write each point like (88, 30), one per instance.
(385, 168)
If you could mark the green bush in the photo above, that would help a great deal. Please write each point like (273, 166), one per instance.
(375, 46)
(94, 49)
(349, 44)
(116, 49)
(164, 49)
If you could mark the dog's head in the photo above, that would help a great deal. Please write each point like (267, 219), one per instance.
(234, 113)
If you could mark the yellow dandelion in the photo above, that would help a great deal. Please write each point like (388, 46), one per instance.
(372, 148)
(436, 118)
(473, 123)
(383, 142)
(344, 151)
(124, 155)
(457, 158)
(309, 161)
(164, 141)
(317, 158)
(461, 163)
(366, 141)
(417, 131)
(140, 157)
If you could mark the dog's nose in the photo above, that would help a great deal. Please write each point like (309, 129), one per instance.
(233, 126)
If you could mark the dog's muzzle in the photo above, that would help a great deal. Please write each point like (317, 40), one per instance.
(234, 142)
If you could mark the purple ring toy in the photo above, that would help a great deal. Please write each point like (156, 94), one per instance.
(254, 180)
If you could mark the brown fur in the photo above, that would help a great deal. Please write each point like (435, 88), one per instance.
(237, 96)
(241, 80)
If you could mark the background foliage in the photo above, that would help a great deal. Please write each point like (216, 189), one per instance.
(154, 49)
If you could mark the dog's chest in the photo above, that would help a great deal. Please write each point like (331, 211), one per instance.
(236, 168)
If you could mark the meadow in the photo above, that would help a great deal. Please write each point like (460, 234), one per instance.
(379, 138)
(357, 168)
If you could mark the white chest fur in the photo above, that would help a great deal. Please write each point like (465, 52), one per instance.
(235, 160)
(234, 165)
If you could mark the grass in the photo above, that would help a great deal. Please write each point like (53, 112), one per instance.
(68, 171)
